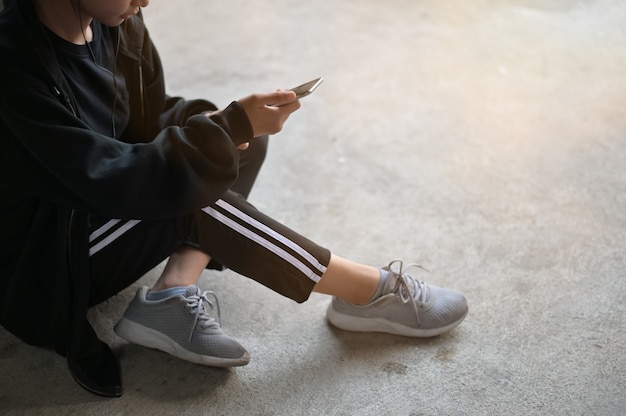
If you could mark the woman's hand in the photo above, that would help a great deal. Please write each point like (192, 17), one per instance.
(268, 112)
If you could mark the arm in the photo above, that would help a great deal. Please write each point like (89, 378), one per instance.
(172, 163)
(54, 156)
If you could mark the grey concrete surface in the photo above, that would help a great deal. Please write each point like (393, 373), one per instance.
(484, 139)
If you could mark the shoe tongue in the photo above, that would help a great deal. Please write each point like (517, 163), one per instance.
(191, 290)
(392, 282)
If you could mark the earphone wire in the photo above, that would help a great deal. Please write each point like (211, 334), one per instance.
(112, 74)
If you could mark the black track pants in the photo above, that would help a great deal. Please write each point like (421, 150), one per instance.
(231, 230)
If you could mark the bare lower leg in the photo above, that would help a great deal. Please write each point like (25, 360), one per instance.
(183, 268)
(351, 281)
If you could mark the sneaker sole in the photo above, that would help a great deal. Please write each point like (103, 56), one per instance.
(356, 324)
(150, 338)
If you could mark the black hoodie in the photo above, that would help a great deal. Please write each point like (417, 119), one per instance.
(55, 171)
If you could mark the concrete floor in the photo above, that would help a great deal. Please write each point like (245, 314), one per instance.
(484, 139)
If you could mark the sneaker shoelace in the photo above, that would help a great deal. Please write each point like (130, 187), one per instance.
(195, 304)
(410, 290)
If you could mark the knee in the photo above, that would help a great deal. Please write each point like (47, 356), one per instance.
(258, 150)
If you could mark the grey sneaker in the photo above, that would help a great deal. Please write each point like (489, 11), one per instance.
(406, 307)
(181, 326)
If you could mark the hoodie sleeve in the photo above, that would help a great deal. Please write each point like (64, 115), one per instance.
(53, 155)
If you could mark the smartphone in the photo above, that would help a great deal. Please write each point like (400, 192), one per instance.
(306, 88)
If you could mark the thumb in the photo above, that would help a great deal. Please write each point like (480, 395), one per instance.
(280, 97)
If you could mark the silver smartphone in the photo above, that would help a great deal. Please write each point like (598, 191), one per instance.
(306, 88)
